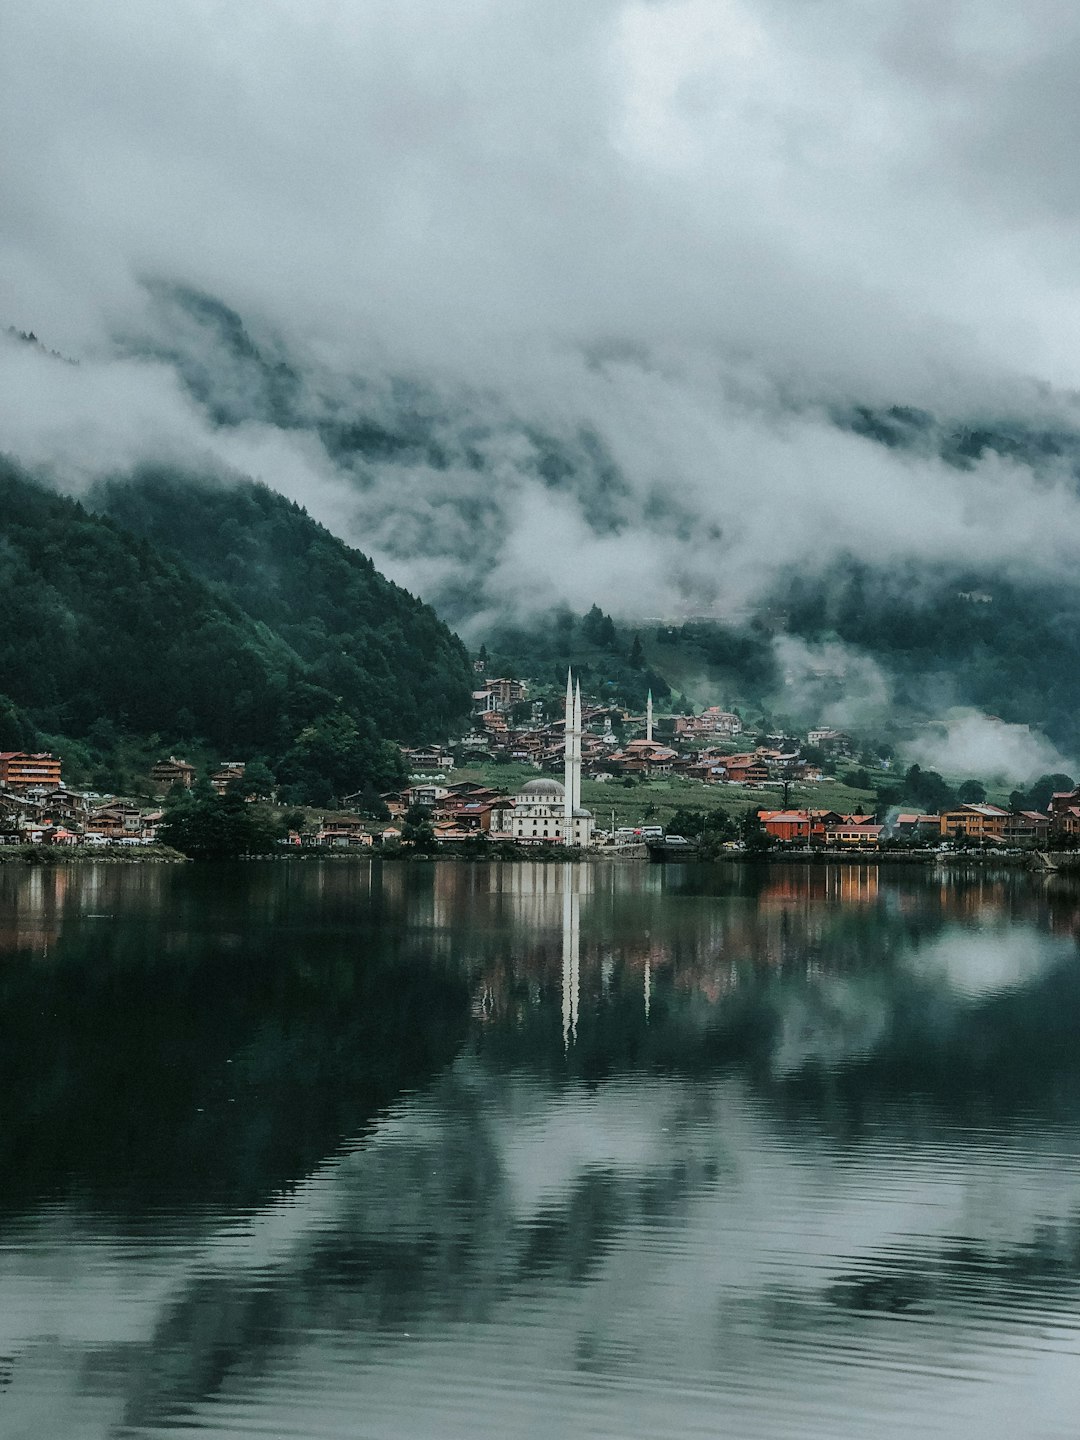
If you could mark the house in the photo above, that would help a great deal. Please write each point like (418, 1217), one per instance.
(745, 770)
(22, 771)
(123, 821)
(64, 805)
(640, 757)
(829, 739)
(499, 818)
(1066, 821)
(786, 825)
(167, 773)
(1064, 813)
(455, 798)
(1026, 827)
(426, 795)
(973, 822)
(505, 693)
(909, 825)
(342, 833)
(222, 778)
(712, 721)
(854, 830)
(820, 827)
(498, 696)
(425, 759)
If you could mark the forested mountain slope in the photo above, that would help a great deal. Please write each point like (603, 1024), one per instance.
(285, 626)
(362, 639)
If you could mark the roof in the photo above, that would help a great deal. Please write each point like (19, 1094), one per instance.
(542, 787)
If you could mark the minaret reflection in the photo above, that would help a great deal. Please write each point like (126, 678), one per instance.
(571, 964)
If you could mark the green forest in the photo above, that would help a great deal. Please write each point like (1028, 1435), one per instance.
(231, 621)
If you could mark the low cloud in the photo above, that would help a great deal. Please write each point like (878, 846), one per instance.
(609, 280)
(968, 743)
(830, 684)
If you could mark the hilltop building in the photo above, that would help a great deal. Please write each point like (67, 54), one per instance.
(546, 812)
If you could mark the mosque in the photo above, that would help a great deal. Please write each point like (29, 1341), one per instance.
(544, 810)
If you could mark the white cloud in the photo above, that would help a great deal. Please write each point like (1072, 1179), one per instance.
(689, 230)
(969, 743)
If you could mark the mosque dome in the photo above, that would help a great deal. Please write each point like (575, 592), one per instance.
(581, 814)
(541, 788)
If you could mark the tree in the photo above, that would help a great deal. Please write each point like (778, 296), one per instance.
(971, 793)
(217, 827)
(688, 823)
(1047, 785)
(637, 655)
(257, 781)
(926, 789)
(754, 835)
(599, 629)
(16, 731)
(335, 756)
(370, 803)
(417, 829)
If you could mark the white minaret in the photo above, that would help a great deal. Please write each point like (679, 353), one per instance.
(648, 718)
(568, 760)
(577, 748)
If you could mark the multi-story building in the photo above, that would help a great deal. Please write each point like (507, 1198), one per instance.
(975, 822)
(21, 771)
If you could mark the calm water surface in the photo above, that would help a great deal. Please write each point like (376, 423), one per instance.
(343, 1149)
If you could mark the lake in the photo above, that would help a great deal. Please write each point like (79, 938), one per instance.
(352, 1149)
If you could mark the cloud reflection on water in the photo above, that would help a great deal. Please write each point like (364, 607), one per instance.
(822, 1174)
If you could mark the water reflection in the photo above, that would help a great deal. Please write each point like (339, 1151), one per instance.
(540, 1150)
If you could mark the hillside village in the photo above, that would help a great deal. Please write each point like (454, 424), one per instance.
(454, 796)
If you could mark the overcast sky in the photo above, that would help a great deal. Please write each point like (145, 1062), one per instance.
(689, 226)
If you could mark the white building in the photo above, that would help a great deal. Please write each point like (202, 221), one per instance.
(544, 810)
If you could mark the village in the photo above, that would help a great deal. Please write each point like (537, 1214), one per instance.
(454, 796)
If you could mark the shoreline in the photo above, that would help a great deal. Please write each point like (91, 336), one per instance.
(54, 855)
(1035, 861)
